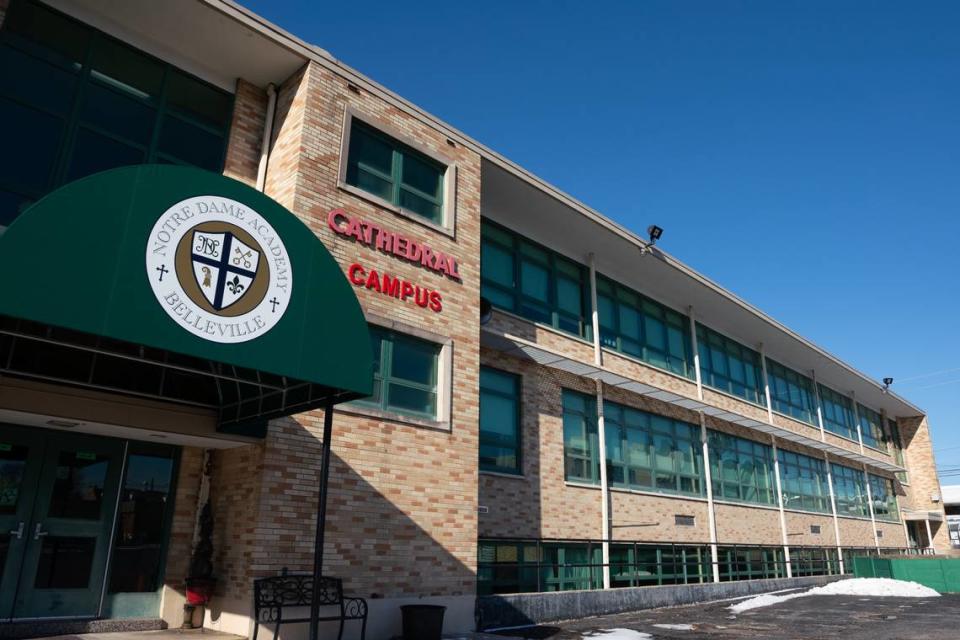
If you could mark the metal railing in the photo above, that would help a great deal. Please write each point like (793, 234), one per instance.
(525, 565)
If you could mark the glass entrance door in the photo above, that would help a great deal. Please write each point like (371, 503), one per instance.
(66, 495)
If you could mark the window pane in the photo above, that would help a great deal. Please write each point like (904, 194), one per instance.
(414, 360)
(48, 29)
(423, 175)
(534, 281)
(124, 68)
(411, 399)
(568, 295)
(36, 137)
(199, 100)
(418, 204)
(496, 264)
(370, 152)
(93, 153)
(118, 114)
(191, 144)
(78, 488)
(36, 82)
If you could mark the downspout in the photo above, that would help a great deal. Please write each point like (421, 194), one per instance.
(267, 136)
(776, 463)
(605, 518)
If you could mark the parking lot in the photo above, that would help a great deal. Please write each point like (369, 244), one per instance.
(847, 617)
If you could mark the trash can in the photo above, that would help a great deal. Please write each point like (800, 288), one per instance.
(422, 621)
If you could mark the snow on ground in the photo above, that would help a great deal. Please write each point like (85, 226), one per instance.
(675, 627)
(877, 587)
(620, 634)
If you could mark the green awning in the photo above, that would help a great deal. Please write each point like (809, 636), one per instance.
(185, 271)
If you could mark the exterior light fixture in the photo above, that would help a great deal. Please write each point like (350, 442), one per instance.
(653, 232)
(886, 384)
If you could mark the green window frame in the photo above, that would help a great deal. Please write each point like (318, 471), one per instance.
(850, 491)
(792, 393)
(640, 327)
(500, 429)
(581, 459)
(75, 101)
(641, 565)
(893, 434)
(871, 428)
(728, 366)
(838, 417)
(405, 374)
(395, 172)
(803, 481)
(884, 499)
(751, 563)
(649, 452)
(741, 470)
(524, 278)
(816, 561)
(507, 567)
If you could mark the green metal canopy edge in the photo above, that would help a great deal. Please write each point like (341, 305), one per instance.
(76, 259)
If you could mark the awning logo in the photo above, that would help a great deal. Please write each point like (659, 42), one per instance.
(219, 269)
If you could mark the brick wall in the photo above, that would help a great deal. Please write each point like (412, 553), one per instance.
(922, 474)
(246, 133)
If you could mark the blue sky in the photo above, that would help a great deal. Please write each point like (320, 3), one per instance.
(803, 154)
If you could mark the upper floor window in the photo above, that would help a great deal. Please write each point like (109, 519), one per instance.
(837, 413)
(791, 393)
(893, 434)
(650, 452)
(871, 428)
(74, 101)
(884, 499)
(850, 489)
(741, 469)
(640, 327)
(804, 482)
(395, 172)
(405, 374)
(499, 421)
(580, 444)
(531, 281)
(729, 366)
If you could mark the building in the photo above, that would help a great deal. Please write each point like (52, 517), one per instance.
(951, 506)
(733, 447)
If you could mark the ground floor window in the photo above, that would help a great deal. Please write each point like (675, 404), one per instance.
(536, 566)
(580, 444)
(499, 421)
(405, 374)
(640, 565)
(751, 563)
(814, 562)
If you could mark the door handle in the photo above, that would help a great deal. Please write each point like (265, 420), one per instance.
(38, 533)
(18, 532)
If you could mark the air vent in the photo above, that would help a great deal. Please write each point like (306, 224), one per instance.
(879, 533)
(483, 509)
(815, 528)
(684, 521)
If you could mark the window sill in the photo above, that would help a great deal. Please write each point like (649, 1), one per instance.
(658, 494)
(400, 211)
(503, 474)
(797, 420)
(727, 394)
(864, 518)
(545, 327)
(390, 416)
(643, 363)
(749, 505)
(581, 485)
(825, 514)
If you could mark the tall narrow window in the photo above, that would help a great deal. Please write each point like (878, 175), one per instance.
(729, 366)
(871, 428)
(393, 171)
(74, 101)
(741, 469)
(850, 489)
(499, 421)
(651, 452)
(893, 434)
(884, 499)
(644, 329)
(580, 445)
(533, 282)
(405, 373)
(838, 415)
(804, 482)
(791, 393)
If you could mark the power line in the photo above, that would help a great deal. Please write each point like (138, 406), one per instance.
(929, 375)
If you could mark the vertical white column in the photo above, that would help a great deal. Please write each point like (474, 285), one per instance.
(833, 508)
(873, 519)
(783, 517)
(696, 353)
(929, 536)
(604, 488)
(856, 418)
(766, 383)
(711, 516)
(601, 429)
(595, 315)
(816, 394)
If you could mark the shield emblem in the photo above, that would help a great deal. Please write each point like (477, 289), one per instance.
(224, 267)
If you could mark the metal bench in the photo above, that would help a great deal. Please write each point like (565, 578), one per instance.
(272, 595)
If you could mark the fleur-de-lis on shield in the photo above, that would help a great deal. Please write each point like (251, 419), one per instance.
(234, 285)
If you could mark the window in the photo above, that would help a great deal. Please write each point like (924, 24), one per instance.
(499, 421)
(652, 453)
(741, 470)
(729, 366)
(394, 172)
(580, 445)
(850, 489)
(640, 565)
(804, 482)
(644, 329)
(744, 563)
(893, 434)
(871, 428)
(535, 283)
(792, 394)
(837, 413)
(884, 499)
(74, 101)
(405, 373)
(814, 562)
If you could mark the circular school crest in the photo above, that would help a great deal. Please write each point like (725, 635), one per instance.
(219, 269)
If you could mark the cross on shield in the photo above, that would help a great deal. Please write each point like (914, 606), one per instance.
(223, 266)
